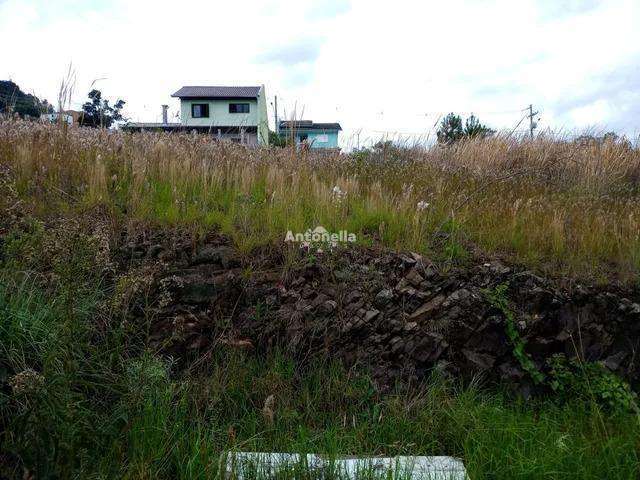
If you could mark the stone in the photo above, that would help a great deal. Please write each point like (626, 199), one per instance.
(219, 254)
(482, 361)
(430, 272)
(397, 346)
(329, 306)
(459, 296)
(427, 309)
(342, 275)
(407, 260)
(613, 362)
(409, 347)
(384, 297)
(414, 278)
(410, 326)
(430, 348)
(204, 291)
(371, 314)
(353, 296)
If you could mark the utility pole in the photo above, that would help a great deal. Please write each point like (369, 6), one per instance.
(275, 113)
(532, 123)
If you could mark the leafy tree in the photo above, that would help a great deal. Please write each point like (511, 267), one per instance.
(473, 128)
(97, 112)
(14, 100)
(451, 129)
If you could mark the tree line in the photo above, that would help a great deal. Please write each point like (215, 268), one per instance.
(96, 111)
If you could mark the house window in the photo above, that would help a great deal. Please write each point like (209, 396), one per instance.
(200, 110)
(238, 108)
(323, 138)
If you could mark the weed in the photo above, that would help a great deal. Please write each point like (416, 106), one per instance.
(590, 381)
(497, 297)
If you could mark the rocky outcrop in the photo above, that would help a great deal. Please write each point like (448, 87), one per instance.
(395, 313)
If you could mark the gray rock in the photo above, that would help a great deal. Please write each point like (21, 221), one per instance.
(409, 347)
(483, 361)
(200, 292)
(397, 346)
(459, 296)
(370, 315)
(353, 296)
(410, 326)
(329, 306)
(407, 260)
(414, 278)
(430, 272)
(613, 362)
(220, 254)
(384, 297)
(427, 309)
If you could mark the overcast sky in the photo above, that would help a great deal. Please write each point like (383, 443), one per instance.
(374, 66)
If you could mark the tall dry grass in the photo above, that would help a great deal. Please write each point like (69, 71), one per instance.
(561, 206)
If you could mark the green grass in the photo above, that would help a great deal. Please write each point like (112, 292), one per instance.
(110, 409)
(82, 394)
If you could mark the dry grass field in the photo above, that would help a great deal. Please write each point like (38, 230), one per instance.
(565, 208)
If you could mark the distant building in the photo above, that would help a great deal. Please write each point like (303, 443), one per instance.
(315, 135)
(58, 117)
(70, 117)
(75, 115)
(238, 114)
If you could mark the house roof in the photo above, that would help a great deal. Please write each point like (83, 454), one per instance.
(308, 125)
(151, 125)
(217, 92)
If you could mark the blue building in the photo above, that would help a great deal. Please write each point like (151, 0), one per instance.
(315, 135)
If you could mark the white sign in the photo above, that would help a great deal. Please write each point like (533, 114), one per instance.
(241, 465)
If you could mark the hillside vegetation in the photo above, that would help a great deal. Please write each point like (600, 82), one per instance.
(563, 207)
(115, 248)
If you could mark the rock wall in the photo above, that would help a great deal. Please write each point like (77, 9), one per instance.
(395, 313)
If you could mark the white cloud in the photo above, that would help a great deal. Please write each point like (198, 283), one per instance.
(372, 65)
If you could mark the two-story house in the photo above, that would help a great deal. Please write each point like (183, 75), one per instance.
(235, 113)
(314, 135)
(238, 114)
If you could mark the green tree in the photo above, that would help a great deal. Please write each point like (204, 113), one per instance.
(473, 128)
(97, 112)
(14, 100)
(451, 129)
